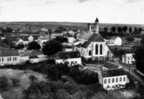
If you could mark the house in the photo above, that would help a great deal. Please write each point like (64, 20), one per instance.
(30, 38)
(114, 41)
(10, 57)
(70, 57)
(42, 39)
(95, 46)
(128, 58)
(67, 47)
(33, 56)
(113, 79)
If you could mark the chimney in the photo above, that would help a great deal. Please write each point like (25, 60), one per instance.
(96, 26)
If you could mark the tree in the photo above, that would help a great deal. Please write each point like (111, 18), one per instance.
(105, 29)
(119, 29)
(135, 30)
(52, 47)
(130, 30)
(125, 29)
(140, 30)
(39, 90)
(33, 46)
(61, 39)
(4, 84)
(113, 29)
(130, 38)
(8, 29)
(139, 56)
(60, 29)
(20, 46)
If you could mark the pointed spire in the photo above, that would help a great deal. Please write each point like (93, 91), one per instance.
(97, 20)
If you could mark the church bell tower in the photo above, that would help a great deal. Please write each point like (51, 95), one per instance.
(96, 26)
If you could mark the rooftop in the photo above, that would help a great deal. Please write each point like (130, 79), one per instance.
(114, 72)
(94, 38)
(110, 66)
(8, 52)
(69, 54)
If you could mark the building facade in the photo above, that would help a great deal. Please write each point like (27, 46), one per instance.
(9, 57)
(128, 58)
(71, 58)
(114, 79)
(95, 46)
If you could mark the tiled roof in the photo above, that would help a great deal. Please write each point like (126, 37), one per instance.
(114, 72)
(94, 38)
(69, 54)
(8, 52)
(31, 53)
(84, 35)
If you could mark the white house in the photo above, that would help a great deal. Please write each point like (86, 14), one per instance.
(10, 57)
(128, 58)
(71, 57)
(95, 45)
(114, 41)
(113, 79)
(30, 38)
(21, 41)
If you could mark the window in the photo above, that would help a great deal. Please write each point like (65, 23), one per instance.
(120, 78)
(2, 59)
(109, 80)
(124, 78)
(9, 59)
(14, 59)
(96, 49)
(113, 80)
(105, 81)
(116, 79)
(101, 49)
(90, 53)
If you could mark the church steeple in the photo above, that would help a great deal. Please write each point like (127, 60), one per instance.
(96, 26)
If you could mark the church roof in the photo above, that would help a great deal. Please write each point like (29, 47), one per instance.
(94, 38)
(84, 35)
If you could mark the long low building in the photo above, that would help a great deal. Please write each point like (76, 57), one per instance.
(113, 79)
(70, 57)
(11, 57)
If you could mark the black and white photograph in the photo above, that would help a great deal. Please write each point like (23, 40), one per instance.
(71, 49)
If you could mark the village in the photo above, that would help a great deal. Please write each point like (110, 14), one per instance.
(111, 58)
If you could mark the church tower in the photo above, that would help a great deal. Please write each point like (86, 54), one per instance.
(96, 26)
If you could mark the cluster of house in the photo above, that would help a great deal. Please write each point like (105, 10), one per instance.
(90, 45)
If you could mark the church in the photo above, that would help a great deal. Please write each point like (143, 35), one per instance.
(94, 46)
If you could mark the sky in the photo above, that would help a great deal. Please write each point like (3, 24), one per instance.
(108, 11)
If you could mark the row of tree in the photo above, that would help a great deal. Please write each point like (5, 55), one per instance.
(121, 30)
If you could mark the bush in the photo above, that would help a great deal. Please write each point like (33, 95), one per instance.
(4, 84)
(15, 82)
(39, 90)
